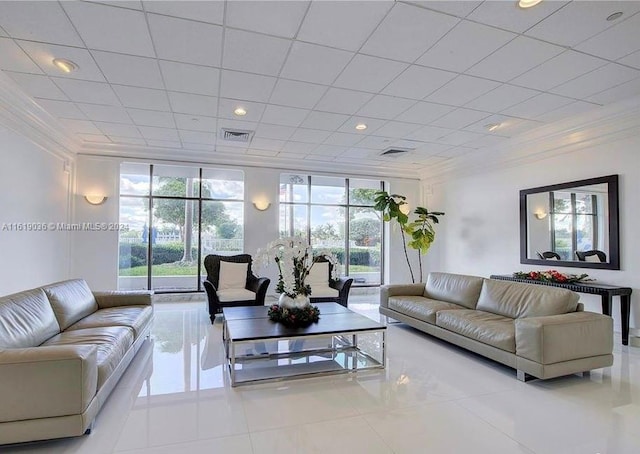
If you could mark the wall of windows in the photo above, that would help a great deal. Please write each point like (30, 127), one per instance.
(176, 216)
(337, 214)
(574, 222)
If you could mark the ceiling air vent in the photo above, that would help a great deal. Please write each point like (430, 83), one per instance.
(395, 151)
(236, 135)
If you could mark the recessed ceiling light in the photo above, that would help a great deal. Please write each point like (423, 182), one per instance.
(524, 4)
(240, 112)
(615, 15)
(361, 126)
(66, 66)
(492, 126)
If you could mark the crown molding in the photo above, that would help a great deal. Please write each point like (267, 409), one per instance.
(596, 127)
(243, 160)
(23, 115)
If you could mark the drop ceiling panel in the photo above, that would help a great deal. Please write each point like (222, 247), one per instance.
(118, 129)
(251, 52)
(142, 98)
(459, 118)
(150, 132)
(461, 138)
(507, 15)
(343, 139)
(424, 112)
(313, 63)
(369, 73)
(537, 106)
(328, 151)
(96, 138)
(315, 136)
(46, 23)
(596, 81)
(297, 94)
(186, 41)
(458, 8)
(417, 82)
(516, 57)
(396, 129)
(88, 92)
(558, 70)
(279, 18)
(385, 107)
(345, 25)
(568, 111)
(128, 140)
(300, 148)
(207, 138)
(284, 116)
(464, 46)
(501, 98)
(13, 58)
(430, 133)
(195, 123)
(277, 132)
(407, 32)
(188, 103)
(324, 120)
(461, 90)
(38, 86)
(260, 143)
(164, 143)
(621, 92)
(342, 101)
(61, 109)
(152, 118)
(586, 18)
(97, 25)
(129, 70)
(615, 42)
(249, 87)
(112, 114)
(631, 60)
(212, 11)
(190, 78)
(79, 126)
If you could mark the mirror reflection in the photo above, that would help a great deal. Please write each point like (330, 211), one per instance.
(572, 222)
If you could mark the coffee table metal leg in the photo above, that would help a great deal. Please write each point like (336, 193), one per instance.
(232, 364)
(384, 348)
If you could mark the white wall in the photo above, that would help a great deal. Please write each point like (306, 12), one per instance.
(480, 233)
(34, 189)
(95, 254)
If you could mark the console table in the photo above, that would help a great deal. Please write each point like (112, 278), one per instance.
(606, 292)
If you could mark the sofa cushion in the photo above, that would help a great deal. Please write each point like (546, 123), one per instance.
(324, 291)
(71, 300)
(518, 299)
(235, 294)
(420, 307)
(454, 288)
(232, 275)
(136, 317)
(112, 342)
(26, 319)
(490, 329)
(318, 275)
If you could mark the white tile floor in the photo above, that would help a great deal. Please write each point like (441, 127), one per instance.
(432, 398)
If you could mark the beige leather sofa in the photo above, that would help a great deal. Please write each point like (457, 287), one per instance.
(539, 331)
(63, 348)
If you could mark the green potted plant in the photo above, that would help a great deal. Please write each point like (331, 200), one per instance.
(420, 231)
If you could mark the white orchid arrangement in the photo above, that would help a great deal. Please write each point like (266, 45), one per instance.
(295, 258)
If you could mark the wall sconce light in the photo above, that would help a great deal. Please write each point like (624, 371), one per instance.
(95, 199)
(540, 215)
(261, 204)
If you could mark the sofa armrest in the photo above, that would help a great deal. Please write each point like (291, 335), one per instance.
(47, 381)
(120, 298)
(387, 291)
(557, 338)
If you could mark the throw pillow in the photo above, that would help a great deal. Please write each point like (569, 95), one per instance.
(232, 275)
(319, 275)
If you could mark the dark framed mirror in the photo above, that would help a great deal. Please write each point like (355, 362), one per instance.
(572, 224)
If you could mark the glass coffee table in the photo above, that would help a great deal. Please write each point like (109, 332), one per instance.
(258, 349)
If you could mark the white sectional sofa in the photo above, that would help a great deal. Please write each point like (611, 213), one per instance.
(540, 331)
(63, 349)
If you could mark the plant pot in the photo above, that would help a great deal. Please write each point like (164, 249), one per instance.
(299, 302)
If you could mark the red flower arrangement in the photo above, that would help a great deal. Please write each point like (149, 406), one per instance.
(551, 276)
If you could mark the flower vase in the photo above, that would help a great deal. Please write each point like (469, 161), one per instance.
(299, 302)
